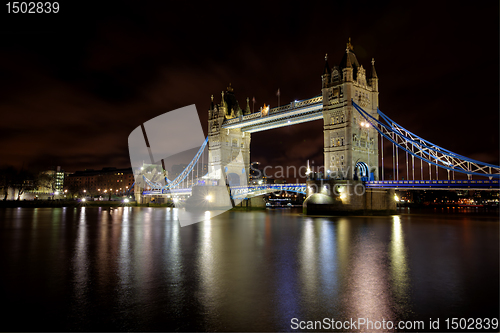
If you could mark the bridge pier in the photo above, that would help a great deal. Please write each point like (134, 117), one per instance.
(257, 202)
(347, 197)
(209, 198)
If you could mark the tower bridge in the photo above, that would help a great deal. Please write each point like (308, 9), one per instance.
(354, 130)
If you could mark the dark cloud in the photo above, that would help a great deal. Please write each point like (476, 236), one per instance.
(73, 88)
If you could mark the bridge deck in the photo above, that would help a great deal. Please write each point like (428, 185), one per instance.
(253, 190)
(294, 113)
(434, 184)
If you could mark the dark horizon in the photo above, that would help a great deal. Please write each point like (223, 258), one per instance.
(75, 85)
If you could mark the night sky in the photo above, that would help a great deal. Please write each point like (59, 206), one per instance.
(75, 84)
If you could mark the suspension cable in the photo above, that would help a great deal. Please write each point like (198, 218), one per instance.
(382, 148)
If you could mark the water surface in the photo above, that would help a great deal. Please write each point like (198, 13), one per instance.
(101, 269)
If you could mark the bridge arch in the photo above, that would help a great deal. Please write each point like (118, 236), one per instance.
(233, 179)
(361, 170)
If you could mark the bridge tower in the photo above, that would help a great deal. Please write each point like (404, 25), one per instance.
(350, 146)
(229, 149)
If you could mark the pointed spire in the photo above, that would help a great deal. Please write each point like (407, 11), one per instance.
(327, 69)
(348, 58)
(349, 45)
(212, 102)
(373, 73)
(223, 101)
(247, 110)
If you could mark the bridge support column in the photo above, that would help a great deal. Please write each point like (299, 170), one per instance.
(257, 202)
(347, 197)
(209, 197)
(138, 193)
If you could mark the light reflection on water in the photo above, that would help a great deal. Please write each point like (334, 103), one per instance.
(398, 263)
(137, 269)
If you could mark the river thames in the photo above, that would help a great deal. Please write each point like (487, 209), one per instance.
(136, 269)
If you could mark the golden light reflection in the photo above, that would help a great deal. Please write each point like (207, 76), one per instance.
(343, 243)
(102, 247)
(35, 219)
(308, 262)
(80, 259)
(124, 253)
(398, 257)
(173, 268)
(143, 255)
(210, 288)
(328, 260)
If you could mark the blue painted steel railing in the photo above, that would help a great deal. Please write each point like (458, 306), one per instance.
(182, 176)
(242, 191)
(438, 184)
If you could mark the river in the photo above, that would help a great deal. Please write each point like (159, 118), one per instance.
(130, 269)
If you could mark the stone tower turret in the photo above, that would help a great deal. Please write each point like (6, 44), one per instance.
(229, 149)
(350, 146)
